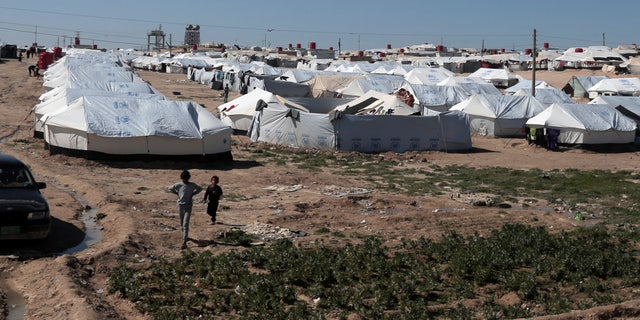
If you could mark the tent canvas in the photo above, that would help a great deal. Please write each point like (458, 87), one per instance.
(586, 124)
(615, 87)
(499, 115)
(109, 127)
(578, 85)
(60, 102)
(238, 112)
(361, 86)
(501, 78)
(547, 96)
(448, 131)
(471, 85)
(435, 97)
(629, 106)
(427, 75)
(374, 102)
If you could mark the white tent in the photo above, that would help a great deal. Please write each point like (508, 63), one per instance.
(374, 102)
(586, 124)
(471, 85)
(499, 115)
(615, 87)
(61, 102)
(633, 65)
(327, 84)
(427, 75)
(578, 85)
(361, 86)
(435, 97)
(90, 73)
(110, 127)
(547, 96)
(593, 57)
(629, 106)
(298, 75)
(526, 84)
(238, 112)
(113, 86)
(498, 77)
(446, 131)
(615, 101)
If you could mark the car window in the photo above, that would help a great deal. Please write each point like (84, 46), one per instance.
(15, 177)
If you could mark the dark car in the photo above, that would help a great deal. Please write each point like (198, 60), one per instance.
(24, 212)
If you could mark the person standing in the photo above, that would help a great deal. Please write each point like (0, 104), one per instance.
(213, 194)
(225, 93)
(185, 191)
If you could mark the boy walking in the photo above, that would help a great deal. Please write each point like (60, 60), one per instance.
(185, 191)
(213, 194)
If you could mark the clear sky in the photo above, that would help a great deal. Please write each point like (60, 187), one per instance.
(357, 25)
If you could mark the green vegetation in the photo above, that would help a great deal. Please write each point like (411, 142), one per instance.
(416, 280)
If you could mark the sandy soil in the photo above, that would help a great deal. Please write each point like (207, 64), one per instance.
(140, 219)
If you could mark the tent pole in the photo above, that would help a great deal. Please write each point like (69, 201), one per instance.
(533, 62)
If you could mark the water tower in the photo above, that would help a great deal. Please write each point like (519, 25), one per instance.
(158, 36)
(192, 35)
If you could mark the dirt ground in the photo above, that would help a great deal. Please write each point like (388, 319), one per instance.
(140, 219)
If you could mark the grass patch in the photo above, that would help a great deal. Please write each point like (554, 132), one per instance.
(418, 279)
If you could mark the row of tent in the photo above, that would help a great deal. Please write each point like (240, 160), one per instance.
(489, 111)
(96, 107)
(325, 125)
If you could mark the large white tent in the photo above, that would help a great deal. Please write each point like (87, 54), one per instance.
(498, 77)
(238, 112)
(89, 73)
(615, 87)
(112, 127)
(61, 101)
(374, 102)
(436, 97)
(592, 57)
(547, 96)
(447, 131)
(499, 115)
(427, 75)
(586, 124)
(471, 85)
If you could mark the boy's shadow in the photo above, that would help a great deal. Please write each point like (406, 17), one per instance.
(215, 242)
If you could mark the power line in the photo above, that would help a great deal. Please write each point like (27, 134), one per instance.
(67, 30)
(59, 35)
(276, 29)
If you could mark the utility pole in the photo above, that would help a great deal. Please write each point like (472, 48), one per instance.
(482, 49)
(533, 62)
(603, 39)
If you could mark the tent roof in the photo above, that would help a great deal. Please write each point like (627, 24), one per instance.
(547, 96)
(126, 117)
(626, 86)
(493, 74)
(590, 117)
(427, 75)
(246, 104)
(374, 100)
(500, 106)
